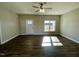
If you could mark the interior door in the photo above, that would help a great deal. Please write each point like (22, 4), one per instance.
(29, 27)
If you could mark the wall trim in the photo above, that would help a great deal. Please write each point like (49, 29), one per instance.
(0, 33)
(70, 38)
(40, 34)
(9, 39)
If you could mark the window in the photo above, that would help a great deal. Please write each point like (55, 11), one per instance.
(49, 25)
(29, 21)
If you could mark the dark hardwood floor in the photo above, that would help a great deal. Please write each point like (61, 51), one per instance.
(30, 46)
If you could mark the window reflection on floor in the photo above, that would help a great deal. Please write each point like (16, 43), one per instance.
(57, 44)
(51, 40)
(46, 39)
(46, 44)
(54, 39)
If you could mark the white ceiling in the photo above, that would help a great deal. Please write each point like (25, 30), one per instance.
(58, 8)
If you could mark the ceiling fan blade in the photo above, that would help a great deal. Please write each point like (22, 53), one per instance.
(35, 6)
(37, 11)
(42, 2)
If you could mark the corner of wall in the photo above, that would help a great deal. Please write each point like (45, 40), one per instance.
(69, 38)
(9, 39)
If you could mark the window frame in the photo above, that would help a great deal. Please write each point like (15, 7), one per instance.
(49, 26)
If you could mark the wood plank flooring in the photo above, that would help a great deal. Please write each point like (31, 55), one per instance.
(30, 46)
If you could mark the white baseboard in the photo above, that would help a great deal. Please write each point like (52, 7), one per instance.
(70, 38)
(40, 34)
(8, 39)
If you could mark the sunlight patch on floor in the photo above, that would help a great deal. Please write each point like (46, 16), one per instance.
(46, 44)
(57, 44)
(46, 39)
(54, 39)
(51, 41)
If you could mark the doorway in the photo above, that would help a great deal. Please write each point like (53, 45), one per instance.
(29, 27)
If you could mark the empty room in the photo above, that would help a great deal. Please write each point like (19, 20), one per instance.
(39, 29)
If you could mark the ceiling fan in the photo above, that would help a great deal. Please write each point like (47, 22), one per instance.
(41, 7)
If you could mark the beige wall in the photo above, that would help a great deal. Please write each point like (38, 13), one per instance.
(70, 25)
(9, 25)
(38, 21)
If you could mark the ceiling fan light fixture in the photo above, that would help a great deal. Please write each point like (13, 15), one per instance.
(42, 10)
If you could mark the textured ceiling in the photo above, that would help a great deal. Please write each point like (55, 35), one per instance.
(58, 8)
